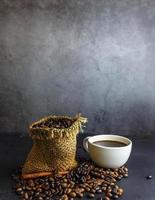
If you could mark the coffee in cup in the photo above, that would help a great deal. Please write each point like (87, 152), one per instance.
(109, 151)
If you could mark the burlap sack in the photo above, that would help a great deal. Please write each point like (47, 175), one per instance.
(54, 148)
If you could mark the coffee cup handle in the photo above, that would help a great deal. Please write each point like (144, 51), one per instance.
(85, 143)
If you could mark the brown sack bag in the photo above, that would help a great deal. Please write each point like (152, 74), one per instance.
(54, 146)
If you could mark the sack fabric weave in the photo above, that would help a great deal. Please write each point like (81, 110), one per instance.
(54, 149)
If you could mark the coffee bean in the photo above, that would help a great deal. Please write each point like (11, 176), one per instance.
(53, 191)
(92, 191)
(68, 190)
(72, 194)
(120, 191)
(65, 180)
(41, 180)
(91, 195)
(40, 198)
(87, 189)
(114, 191)
(80, 195)
(82, 189)
(125, 175)
(106, 198)
(115, 196)
(64, 197)
(19, 189)
(104, 188)
(109, 194)
(85, 178)
(99, 191)
(31, 183)
(28, 188)
(119, 177)
(26, 196)
(37, 194)
(51, 179)
(64, 185)
(125, 169)
(149, 177)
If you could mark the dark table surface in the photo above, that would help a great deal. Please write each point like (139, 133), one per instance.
(14, 149)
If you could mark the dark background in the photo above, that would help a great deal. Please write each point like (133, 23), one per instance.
(96, 57)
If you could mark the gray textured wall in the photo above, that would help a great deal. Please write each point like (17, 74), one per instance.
(96, 57)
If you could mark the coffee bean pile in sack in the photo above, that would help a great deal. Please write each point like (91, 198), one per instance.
(54, 145)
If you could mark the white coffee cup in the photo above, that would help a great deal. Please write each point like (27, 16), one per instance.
(108, 157)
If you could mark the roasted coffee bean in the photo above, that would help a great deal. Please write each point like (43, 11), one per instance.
(51, 179)
(26, 196)
(72, 194)
(149, 177)
(19, 189)
(119, 177)
(65, 180)
(125, 169)
(125, 175)
(109, 194)
(64, 185)
(31, 183)
(115, 196)
(104, 188)
(64, 197)
(91, 195)
(80, 195)
(41, 180)
(28, 188)
(106, 198)
(40, 198)
(82, 189)
(85, 178)
(92, 191)
(69, 190)
(39, 190)
(53, 191)
(87, 189)
(120, 191)
(99, 191)
(37, 194)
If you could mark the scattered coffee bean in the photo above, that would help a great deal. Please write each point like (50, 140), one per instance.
(26, 196)
(80, 195)
(120, 191)
(92, 191)
(31, 183)
(99, 191)
(106, 198)
(64, 197)
(91, 195)
(72, 194)
(87, 189)
(125, 175)
(149, 177)
(64, 185)
(86, 178)
(115, 196)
